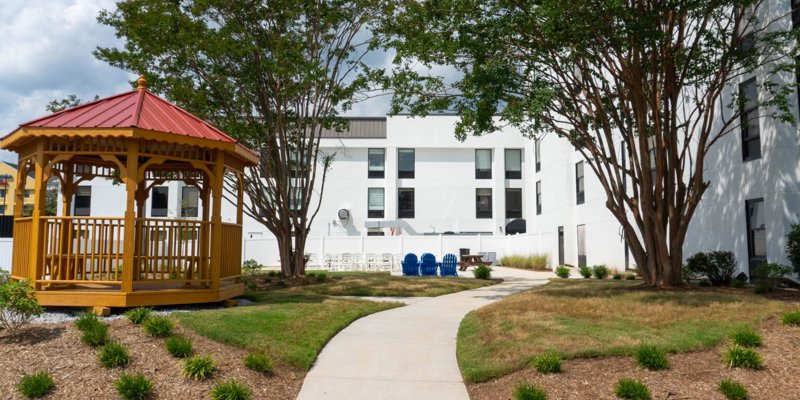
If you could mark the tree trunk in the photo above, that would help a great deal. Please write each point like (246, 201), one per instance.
(286, 254)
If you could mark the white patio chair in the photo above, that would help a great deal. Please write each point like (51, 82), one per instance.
(386, 262)
(346, 263)
(373, 262)
(397, 263)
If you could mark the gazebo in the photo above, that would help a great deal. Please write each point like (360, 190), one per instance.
(139, 140)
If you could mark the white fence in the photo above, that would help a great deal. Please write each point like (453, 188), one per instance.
(6, 247)
(265, 250)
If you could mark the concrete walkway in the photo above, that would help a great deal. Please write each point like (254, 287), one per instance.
(407, 352)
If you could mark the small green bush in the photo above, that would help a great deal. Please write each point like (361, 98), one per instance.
(86, 321)
(617, 276)
(311, 274)
(549, 363)
(250, 285)
(793, 247)
(771, 274)
(630, 277)
(179, 346)
(651, 357)
(763, 288)
(632, 389)
(198, 367)
(746, 337)
(36, 385)
(230, 390)
(18, 305)
(733, 390)
(741, 357)
(536, 262)
(258, 362)
(562, 272)
(138, 315)
(272, 274)
(133, 386)
(600, 271)
(738, 283)
(250, 267)
(585, 271)
(716, 266)
(158, 326)
(95, 335)
(482, 272)
(113, 354)
(527, 391)
(791, 318)
(321, 277)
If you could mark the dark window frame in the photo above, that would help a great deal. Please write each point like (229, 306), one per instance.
(512, 174)
(537, 154)
(82, 202)
(406, 174)
(189, 211)
(753, 260)
(483, 214)
(538, 197)
(795, 13)
(483, 173)
(406, 213)
(376, 174)
(510, 212)
(155, 194)
(744, 117)
(580, 183)
(376, 213)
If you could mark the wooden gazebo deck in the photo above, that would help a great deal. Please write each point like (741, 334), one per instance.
(139, 140)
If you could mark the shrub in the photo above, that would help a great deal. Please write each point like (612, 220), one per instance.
(258, 362)
(562, 272)
(791, 318)
(630, 277)
(133, 386)
(762, 288)
(250, 266)
(18, 305)
(770, 274)
(179, 346)
(600, 271)
(651, 357)
(632, 389)
(793, 247)
(158, 326)
(482, 272)
(746, 337)
(86, 321)
(113, 354)
(741, 357)
(250, 285)
(738, 283)
(527, 391)
(272, 274)
(617, 276)
(716, 266)
(138, 315)
(36, 385)
(547, 363)
(311, 274)
(733, 390)
(321, 277)
(95, 334)
(198, 367)
(5, 276)
(585, 271)
(537, 262)
(230, 390)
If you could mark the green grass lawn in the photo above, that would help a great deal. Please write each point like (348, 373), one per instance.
(383, 284)
(590, 318)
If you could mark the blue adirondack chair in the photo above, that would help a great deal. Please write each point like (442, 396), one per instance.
(428, 265)
(449, 265)
(410, 265)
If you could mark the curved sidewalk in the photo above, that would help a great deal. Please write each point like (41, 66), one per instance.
(407, 352)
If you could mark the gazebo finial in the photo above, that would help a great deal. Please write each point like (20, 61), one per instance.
(141, 83)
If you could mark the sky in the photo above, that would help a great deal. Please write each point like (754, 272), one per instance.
(46, 54)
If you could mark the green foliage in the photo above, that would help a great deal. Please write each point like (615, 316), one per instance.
(536, 262)
(617, 276)
(738, 283)
(198, 367)
(632, 389)
(482, 272)
(585, 271)
(770, 274)
(138, 315)
(600, 271)
(549, 363)
(793, 247)
(272, 274)
(746, 337)
(321, 277)
(113, 354)
(259, 362)
(311, 274)
(251, 267)
(36, 385)
(563, 271)
(716, 266)
(763, 288)
(630, 277)
(651, 357)
(5, 276)
(158, 326)
(732, 390)
(791, 318)
(179, 346)
(18, 305)
(133, 386)
(742, 357)
(86, 321)
(230, 390)
(529, 392)
(95, 334)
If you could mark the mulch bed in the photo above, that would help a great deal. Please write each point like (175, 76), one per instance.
(694, 375)
(57, 348)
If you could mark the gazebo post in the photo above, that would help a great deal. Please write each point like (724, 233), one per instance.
(19, 198)
(36, 260)
(240, 199)
(216, 219)
(204, 261)
(131, 183)
(67, 190)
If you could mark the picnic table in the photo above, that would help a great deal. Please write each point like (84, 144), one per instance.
(471, 260)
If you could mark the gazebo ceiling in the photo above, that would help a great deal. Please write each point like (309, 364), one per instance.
(137, 114)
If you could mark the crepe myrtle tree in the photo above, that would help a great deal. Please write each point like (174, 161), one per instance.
(643, 90)
(273, 74)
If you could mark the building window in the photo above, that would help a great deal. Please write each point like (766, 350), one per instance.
(748, 44)
(83, 201)
(513, 203)
(756, 234)
(405, 163)
(27, 193)
(159, 201)
(2, 209)
(3, 193)
(513, 164)
(190, 197)
(376, 160)
(537, 153)
(375, 202)
(483, 203)
(294, 165)
(751, 132)
(296, 198)
(581, 245)
(795, 13)
(373, 232)
(538, 197)
(405, 203)
(483, 164)
(579, 190)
